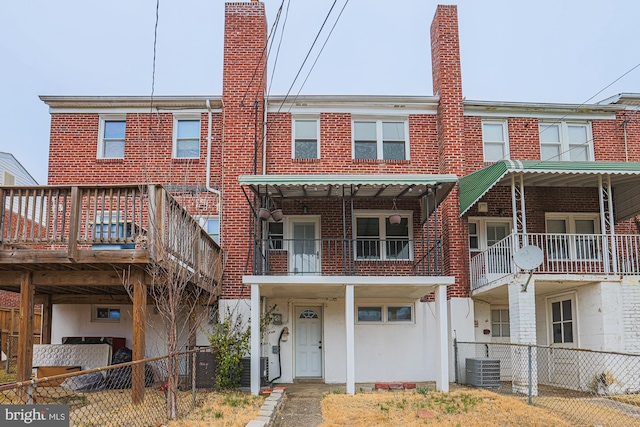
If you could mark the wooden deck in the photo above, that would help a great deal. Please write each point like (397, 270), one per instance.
(96, 244)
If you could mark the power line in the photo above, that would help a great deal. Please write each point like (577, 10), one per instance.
(319, 53)
(308, 53)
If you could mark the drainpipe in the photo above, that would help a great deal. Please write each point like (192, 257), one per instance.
(264, 137)
(208, 183)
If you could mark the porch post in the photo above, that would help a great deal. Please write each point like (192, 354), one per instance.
(522, 320)
(442, 359)
(47, 312)
(605, 224)
(255, 339)
(25, 327)
(139, 335)
(351, 359)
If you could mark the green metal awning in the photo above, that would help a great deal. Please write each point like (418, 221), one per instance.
(387, 186)
(625, 177)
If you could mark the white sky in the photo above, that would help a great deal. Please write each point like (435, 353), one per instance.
(540, 51)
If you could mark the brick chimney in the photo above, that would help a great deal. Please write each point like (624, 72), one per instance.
(243, 90)
(447, 84)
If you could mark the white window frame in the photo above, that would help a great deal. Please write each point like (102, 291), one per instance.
(549, 300)
(8, 176)
(384, 318)
(502, 322)
(204, 220)
(570, 221)
(379, 137)
(316, 119)
(101, 139)
(109, 308)
(185, 117)
(382, 216)
(563, 131)
(481, 230)
(505, 140)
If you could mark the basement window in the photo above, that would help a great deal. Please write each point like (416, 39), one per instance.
(101, 313)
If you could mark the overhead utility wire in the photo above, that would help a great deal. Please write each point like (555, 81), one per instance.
(596, 94)
(505, 157)
(153, 81)
(307, 56)
(318, 56)
(275, 62)
(264, 50)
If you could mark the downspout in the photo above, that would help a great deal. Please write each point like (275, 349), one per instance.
(264, 139)
(208, 183)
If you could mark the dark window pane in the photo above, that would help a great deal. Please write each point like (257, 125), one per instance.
(398, 230)
(368, 249)
(397, 249)
(557, 333)
(399, 314)
(566, 310)
(568, 331)
(367, 227)
(369, 314)
(555, 312)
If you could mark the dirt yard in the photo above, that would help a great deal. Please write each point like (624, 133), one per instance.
(469, 408)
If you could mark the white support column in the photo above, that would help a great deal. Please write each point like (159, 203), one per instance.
(604, 223)
(522, 319)
(350, 335)
(442, 372)
(255, 339)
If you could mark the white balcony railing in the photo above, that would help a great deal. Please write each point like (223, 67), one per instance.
(563, 254)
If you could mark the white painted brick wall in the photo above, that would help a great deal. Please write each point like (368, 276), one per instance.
(631, 314)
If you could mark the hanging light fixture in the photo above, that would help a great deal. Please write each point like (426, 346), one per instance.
(395, 218)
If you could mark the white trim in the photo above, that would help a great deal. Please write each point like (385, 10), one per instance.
(294, 324)
(505, 140)
(255, 339)
(442, 328)
(177, 117)
(124, 110)
(419, 281)
(541, 116)
(384, 318)
(563, 134)
(309, 118)
(382, 215)
(378, 120)
(102, 123)
(350, 339)
(567, 295)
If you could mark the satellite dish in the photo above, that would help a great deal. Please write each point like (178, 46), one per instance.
(528, 257)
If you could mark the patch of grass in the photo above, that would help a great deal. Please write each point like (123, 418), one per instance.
(237, 400)
(7, 377)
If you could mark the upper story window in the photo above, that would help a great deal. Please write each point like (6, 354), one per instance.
(306, 139)
(566, 141)
(111, 138)
(495, 140)
(186, 138)
(380, 139)
(9, 178)
(572, 236)
(378, 239)
(212, 226)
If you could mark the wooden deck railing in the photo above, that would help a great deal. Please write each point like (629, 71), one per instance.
(107, 217)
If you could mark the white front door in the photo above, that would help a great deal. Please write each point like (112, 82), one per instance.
(308, 343)
(564, 365)
(304, 252)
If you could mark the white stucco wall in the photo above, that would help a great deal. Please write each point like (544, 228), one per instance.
(383, 352)
(71, 320)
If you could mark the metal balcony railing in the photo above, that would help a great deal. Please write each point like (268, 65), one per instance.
(348, 257)
(563, 254)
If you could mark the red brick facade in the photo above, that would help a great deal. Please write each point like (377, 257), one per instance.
(447, 142)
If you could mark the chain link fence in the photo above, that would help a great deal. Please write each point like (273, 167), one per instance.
(105, 397)
(582, 386)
